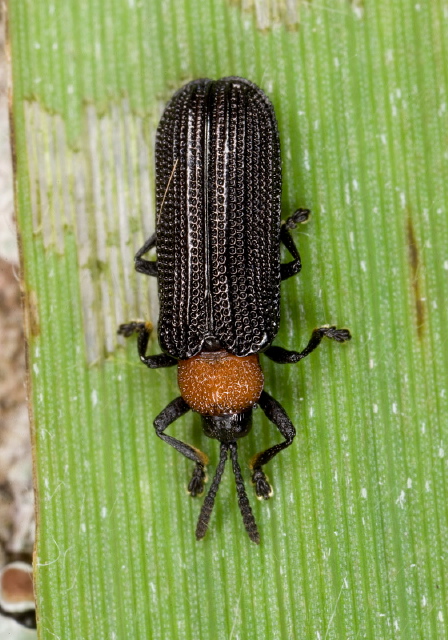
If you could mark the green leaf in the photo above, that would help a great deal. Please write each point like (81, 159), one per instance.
(355, 538)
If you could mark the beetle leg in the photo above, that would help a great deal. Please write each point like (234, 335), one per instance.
(277, 415)
(283, 356)
(175, 410)
(144, 331)
(291, 268)
(148, 267)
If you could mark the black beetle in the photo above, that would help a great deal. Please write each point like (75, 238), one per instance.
(218, 236)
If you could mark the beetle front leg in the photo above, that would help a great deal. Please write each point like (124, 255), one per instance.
(277, 415)
(291, 268)
(172, 412)
(283, 356)
(144, 331)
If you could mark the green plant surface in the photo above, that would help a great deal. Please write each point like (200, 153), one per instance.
(354, 540)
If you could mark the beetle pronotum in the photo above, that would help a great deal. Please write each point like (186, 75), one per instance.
(218, 236)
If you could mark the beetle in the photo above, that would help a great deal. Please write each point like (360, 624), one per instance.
(218, 236)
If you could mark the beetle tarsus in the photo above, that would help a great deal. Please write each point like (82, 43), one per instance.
(340, 335)
(262, 487)
(298, 217)
(129, 328)
(197, 482)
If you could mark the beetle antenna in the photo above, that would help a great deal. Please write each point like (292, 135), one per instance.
(209, 501)
(243, 500)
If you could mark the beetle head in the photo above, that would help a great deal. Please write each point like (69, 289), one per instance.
(228, 427)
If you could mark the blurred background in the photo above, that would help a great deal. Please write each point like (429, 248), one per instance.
(16, 485)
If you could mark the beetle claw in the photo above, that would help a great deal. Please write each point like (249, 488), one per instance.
(262, 487)
(340, 335)
(197, 482)
(298, 217)
(129, 328)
